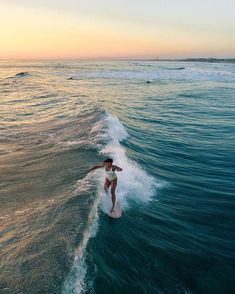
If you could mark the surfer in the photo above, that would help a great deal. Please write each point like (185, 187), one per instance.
(110, 179)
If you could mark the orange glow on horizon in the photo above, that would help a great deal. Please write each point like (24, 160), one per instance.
(30, 33)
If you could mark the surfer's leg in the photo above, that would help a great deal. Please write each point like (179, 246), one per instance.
(113, 187)
(107, 184)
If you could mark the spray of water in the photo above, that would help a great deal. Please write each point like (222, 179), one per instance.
(133, 184)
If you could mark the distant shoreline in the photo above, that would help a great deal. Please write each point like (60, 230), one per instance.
(212, 60)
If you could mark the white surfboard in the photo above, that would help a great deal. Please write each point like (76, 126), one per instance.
(117, 212)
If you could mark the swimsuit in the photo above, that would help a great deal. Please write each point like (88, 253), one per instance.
(110, 175)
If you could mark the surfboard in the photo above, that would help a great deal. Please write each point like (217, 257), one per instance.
(117, 212)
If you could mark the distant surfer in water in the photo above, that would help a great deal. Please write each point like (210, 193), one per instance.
(110, 179)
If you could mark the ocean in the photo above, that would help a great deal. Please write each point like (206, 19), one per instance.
(171, 127)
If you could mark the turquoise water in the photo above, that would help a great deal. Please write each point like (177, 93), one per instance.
(174, 137)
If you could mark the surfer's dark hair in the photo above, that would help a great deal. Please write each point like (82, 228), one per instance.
(108, 160)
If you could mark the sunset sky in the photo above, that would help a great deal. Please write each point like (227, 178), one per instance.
(116, 28)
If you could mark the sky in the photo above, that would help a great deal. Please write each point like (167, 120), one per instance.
(116, 29)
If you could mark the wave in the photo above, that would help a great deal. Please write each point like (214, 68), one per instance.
(134, 185)
(194, 73)
(174, 68)
(22, 74)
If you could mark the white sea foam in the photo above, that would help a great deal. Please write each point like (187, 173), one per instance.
(134, 184)
(75, 282)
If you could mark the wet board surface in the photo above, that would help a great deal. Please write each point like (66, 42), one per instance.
(116, 213)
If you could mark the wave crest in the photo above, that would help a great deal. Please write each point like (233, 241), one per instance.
(134, 184)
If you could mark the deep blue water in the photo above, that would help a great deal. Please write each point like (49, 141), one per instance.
(174, 137)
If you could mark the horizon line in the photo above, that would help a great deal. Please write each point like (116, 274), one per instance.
(123, 59)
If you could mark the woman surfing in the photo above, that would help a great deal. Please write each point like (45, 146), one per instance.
(110, 179)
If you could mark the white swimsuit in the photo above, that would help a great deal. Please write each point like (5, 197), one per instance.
(110, 175)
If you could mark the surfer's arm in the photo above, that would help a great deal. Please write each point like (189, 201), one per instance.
(95, 167)
(117, 168)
